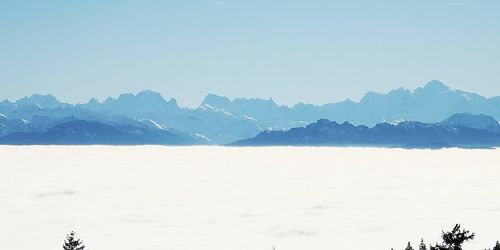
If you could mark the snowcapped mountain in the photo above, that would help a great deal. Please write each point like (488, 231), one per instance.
(220, 120)
(431, 103)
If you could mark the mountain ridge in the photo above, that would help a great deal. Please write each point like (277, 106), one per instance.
(222, 120)
(405, 134)
(80, 132)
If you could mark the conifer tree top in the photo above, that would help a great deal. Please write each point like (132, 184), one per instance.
(71, 243)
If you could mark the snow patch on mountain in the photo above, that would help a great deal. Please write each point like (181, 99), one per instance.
(466, 96)
(153, 123)
(204, 137)
(208, 107)
(249, 118)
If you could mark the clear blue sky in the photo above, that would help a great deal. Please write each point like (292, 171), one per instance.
(312, 51)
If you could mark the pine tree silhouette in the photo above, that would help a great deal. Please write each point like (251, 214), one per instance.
(409, 247)
(71, 243)
(454, 240)
(497, 246)
(422, 245)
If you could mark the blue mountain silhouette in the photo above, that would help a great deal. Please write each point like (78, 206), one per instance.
(408, 134)
(79, 132)
(220, 120)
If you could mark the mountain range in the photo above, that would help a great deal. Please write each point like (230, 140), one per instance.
(220, 120)
(80, 132)
(459, 130)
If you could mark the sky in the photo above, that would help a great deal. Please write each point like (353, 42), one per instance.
(292, 51)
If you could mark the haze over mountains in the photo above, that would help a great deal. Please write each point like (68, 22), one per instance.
(148, 118)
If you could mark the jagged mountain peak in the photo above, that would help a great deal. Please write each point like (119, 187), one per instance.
(302, 104)
(149, 94)
(258, 102)
(242, 117)
(142, 98)
(41, 101)
(224, 102)
(432, 87)
(93, 102)
(215, 101)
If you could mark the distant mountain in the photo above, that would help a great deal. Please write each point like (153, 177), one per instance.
(220, 120)
(206, 123)
(13, 125)
(406, 134)
(431, 103)
(146, 104)
(484, 122)
(265, 113)
(40, 101)
(78, 132)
